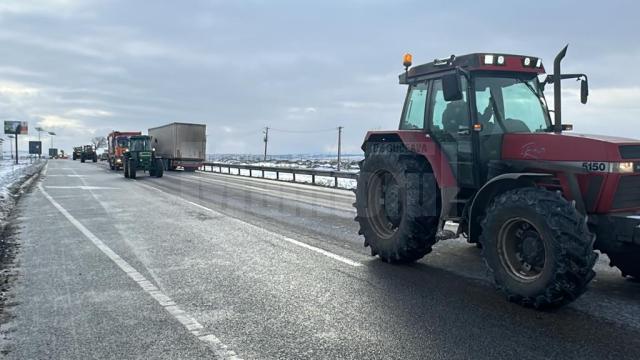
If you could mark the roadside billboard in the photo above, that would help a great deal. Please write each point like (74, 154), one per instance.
(16, 127)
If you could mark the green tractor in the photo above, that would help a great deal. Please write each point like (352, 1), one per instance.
(141, 156)
(88, 153)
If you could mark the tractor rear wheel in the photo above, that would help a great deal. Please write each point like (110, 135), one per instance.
(82, 158)
(538, 248)
(95, 158)
(396, 202)
(159, 170)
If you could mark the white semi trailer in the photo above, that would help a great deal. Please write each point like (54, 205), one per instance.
(180, 145)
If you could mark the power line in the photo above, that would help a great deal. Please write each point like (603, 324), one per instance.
(304, 131)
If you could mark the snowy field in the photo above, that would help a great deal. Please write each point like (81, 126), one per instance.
(11, 177)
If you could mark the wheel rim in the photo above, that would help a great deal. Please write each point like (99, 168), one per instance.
(522, 249)
(384, 203)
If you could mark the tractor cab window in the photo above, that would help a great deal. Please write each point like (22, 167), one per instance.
(414, 108)
(510, 104)
(449, 116)
(140, 145)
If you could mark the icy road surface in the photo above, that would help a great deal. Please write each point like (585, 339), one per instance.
(197, 265)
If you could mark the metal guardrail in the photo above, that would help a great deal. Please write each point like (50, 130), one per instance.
(210, 166)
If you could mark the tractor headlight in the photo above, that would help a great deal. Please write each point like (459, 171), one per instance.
(623, 167)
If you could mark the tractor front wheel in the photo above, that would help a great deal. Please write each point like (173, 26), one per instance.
(95, 158)
(82, 159)
(396, 203)
(538, 248)
(126, 168)
(132, 169)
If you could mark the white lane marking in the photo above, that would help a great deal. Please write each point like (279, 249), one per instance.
(289, 240)
(191, 324)
(82, 187)
(67, 175)
(282, 237)
(304, 199)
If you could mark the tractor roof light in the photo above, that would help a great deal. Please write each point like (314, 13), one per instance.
(500, 60)
(407, 60)
(539, 63)
(488, 59)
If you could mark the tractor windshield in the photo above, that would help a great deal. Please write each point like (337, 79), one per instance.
(139, 145)
(511, 104)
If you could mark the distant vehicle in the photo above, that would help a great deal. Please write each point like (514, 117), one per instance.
(104, 156)
(77, 152)
(88, 153)
(53, 153)
(141, 156)
(117, 142)
(477, 155)
(180, 145)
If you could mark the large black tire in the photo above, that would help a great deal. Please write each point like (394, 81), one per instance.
(159, 171)
(132, 170)
(398, 218)
(538, 248)
(627, 260)
(126, 168)
(82, 159)
(112, 165)
(95, 158)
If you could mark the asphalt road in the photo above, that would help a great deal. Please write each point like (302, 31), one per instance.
(197, 265)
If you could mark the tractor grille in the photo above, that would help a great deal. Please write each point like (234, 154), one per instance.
(630, 151)
(628, 193)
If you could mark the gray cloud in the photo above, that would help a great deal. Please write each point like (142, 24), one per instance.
(87, 67)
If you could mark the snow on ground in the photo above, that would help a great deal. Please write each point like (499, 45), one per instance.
(11, 177)
(320, 180)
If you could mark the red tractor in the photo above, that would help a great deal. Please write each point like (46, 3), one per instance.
(478, 155)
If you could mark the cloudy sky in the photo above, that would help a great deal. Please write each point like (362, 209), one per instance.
(84, 67)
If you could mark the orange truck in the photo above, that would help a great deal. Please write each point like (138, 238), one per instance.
(117, 144)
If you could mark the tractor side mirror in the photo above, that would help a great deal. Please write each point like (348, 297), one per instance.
(584, 91)
(451, 87)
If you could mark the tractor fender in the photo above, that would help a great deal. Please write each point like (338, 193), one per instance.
(417, 143)
(490, 190)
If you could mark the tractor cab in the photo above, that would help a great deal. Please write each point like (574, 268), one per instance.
(467, 104)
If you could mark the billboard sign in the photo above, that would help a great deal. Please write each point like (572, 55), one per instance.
(16, 127)
(35, 147)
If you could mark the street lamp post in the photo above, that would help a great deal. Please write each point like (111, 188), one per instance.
(39, 130)
(51, 134)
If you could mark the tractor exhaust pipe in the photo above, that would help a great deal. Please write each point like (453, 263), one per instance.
(557, 97)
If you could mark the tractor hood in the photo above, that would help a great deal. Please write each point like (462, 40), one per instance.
(568, 147)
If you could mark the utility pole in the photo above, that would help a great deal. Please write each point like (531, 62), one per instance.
(266, 141)
(339, 144)
(10, 145)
